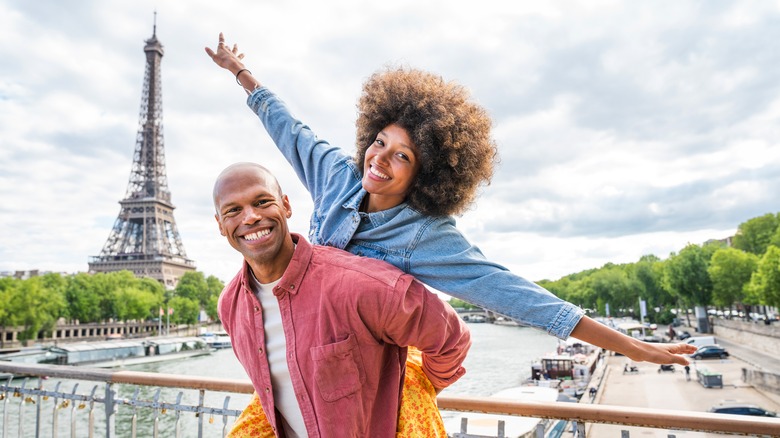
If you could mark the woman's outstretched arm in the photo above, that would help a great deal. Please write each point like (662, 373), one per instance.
(593, 332)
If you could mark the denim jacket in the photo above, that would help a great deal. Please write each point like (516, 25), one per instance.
(430, 248)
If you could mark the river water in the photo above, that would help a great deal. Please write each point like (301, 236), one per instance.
(500, 357)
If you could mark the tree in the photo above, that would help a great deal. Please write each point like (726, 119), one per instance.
(135, 303)
(82, 298)
(765, 282)
(755, 235)
(685, 275)
(730, 271)
(185, 310)
(35, 308)
(193, 286)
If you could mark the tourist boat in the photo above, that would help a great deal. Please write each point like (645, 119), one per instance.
(217, 340)
(479, 424)
(569, 368)
(107, 354)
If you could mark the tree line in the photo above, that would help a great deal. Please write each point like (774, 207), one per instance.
(37, 303)
(739, 276)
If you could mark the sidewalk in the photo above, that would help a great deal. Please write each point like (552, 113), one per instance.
(670, 390)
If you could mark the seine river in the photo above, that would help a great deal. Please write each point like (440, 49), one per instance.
(500, 357)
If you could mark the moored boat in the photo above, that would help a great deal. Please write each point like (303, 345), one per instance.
(217, 340)
(107, 354)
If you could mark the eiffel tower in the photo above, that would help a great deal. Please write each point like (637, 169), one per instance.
(144, 238)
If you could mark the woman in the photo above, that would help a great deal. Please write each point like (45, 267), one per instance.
(423, 148)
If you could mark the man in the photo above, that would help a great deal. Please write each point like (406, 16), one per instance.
(322, 333)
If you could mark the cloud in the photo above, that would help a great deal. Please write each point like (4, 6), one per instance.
(623, 128)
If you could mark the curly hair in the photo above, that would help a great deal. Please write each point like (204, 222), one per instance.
(455, 149)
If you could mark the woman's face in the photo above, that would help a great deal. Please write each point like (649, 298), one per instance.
(389, 168)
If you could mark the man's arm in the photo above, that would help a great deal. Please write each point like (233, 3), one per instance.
(419, 318)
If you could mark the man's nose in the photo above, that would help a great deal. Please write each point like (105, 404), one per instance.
(252, 215)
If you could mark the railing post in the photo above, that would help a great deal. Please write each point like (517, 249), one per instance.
(225, 417)
(201, 403)
(38, 408)
(55, 411)
(92, 413)
(156, 412)
(21, 408)
(72, 412)
(4, 397)
(110, 406)
(178, 414)
(134, 418)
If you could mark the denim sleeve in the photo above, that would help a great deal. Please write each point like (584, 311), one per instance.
(310, 157)
(443, 259)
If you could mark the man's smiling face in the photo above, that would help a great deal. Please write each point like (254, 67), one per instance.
(252, 214)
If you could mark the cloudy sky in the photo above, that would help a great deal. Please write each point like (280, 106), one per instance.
(625, 128)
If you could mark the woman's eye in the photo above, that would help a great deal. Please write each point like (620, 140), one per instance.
(379, 142)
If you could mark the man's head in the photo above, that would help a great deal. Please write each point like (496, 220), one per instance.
(252, 213)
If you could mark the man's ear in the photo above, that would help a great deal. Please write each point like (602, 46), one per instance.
(221, 230)
(286, 203)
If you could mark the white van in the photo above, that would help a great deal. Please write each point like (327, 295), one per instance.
(700, 341)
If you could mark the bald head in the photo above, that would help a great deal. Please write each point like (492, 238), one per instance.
(246, 173)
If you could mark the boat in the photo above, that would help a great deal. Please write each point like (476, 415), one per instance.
(109, 354)
(479, 424)
(217, 340)
(569, 368)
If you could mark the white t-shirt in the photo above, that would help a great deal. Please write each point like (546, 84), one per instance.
(276, 351)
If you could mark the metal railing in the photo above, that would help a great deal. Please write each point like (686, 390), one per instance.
(105, 404)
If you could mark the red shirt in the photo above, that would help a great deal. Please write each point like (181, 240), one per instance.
(347, 322)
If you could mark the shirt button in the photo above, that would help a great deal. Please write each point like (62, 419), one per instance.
(267, 390)
(256, 308)
(292, 287)
(260, 350)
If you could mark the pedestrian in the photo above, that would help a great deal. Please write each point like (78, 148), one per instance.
(688, 373)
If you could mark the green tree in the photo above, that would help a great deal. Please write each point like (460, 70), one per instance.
(193, 286)
(82, 298)
(211, 308)
(765, 283)
(185, 310)
(35, 308)
(686, 276)
(755, 235)
(730, 271)
(135, 303)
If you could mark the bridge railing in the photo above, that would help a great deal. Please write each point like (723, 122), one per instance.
(96, 411)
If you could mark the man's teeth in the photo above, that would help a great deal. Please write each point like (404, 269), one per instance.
(378, 173)
(257, 235)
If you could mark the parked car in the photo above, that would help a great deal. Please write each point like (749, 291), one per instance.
(709, 352)
(740, 408)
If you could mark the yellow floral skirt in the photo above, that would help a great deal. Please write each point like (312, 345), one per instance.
(418, 417)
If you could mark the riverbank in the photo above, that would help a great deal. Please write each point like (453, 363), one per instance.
(671, 390)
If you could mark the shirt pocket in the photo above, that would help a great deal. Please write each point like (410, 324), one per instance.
(338, 368)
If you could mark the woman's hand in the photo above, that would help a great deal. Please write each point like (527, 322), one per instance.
(226, 57)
